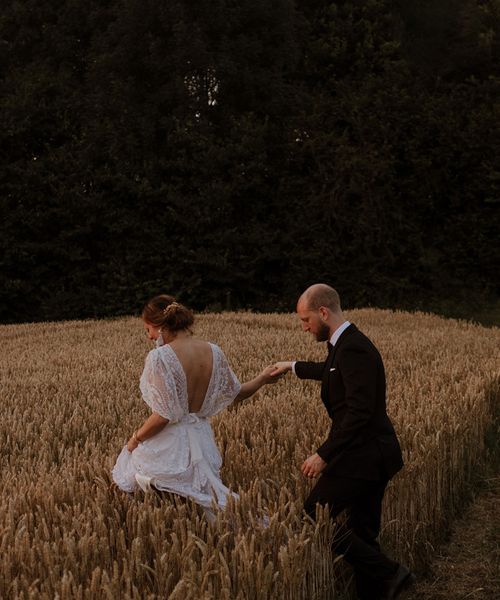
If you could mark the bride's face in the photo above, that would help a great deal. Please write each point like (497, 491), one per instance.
(152, 331)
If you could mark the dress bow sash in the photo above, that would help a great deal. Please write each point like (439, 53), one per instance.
(194, 422)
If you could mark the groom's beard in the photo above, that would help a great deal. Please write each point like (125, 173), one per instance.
(323, 334)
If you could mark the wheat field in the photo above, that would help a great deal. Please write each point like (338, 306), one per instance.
(70, 401)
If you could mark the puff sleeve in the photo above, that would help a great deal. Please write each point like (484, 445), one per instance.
(158, 390)
(224, 386)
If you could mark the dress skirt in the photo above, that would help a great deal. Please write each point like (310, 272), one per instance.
(182, 458)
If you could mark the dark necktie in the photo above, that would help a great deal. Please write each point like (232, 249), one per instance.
(329, 345)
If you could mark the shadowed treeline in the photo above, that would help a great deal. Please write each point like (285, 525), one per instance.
(234, 152)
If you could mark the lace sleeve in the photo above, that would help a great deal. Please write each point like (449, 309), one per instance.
(157, 388)
(226, 384)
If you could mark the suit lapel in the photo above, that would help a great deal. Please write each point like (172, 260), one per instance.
(351, 329)
(326, 378)
(325, 383)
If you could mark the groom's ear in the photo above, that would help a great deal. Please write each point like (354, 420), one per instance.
(324, 313)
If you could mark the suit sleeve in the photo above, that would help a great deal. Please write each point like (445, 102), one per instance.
(358, 368)
(309, 370)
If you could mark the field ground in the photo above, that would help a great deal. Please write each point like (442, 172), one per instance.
(456, 571)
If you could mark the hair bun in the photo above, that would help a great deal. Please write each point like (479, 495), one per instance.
(170, 308)
(164, 311)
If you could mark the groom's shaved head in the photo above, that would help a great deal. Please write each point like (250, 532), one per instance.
(318, 295)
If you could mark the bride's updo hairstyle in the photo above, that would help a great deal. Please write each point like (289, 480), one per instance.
(165, 313)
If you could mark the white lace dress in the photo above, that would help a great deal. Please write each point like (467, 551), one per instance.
(182, 458)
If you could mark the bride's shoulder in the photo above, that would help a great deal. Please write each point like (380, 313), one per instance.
(150, 358)
(220, 355)
(201, 341)
(215, 348)
(153, 356)
(204, 344)
(153, 353)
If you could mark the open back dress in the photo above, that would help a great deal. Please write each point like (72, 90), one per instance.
(183, 457)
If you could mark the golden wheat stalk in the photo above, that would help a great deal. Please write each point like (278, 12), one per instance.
(70, 401)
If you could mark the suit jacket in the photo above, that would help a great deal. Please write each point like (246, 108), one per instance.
(362, 443)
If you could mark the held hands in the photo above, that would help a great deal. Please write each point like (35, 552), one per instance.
(249, 388)
(270, 375)
(274, 373)
(313, 466)
(281, 368)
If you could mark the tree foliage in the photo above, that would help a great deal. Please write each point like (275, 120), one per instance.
(232, 153)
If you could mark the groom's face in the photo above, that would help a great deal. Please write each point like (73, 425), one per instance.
(313, 323)
(323, 334)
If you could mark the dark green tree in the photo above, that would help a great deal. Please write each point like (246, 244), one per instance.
(233, 153)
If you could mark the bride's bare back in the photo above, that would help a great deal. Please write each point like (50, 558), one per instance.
(196, 359)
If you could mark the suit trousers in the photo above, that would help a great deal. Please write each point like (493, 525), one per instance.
(362, 501)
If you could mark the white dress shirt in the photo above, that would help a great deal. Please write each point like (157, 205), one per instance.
(333, 340)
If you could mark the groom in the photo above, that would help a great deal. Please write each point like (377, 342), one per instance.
(361, 453)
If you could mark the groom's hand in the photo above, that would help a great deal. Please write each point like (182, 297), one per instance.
(281, 368)
(313, 466)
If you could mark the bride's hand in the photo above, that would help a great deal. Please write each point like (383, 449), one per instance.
(132, 444)
(270, 375)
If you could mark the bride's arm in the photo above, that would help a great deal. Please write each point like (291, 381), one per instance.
(250, 387)
(151, 426)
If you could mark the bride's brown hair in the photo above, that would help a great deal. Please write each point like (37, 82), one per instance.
(164, 311)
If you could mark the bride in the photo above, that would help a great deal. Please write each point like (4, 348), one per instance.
(185, 381)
